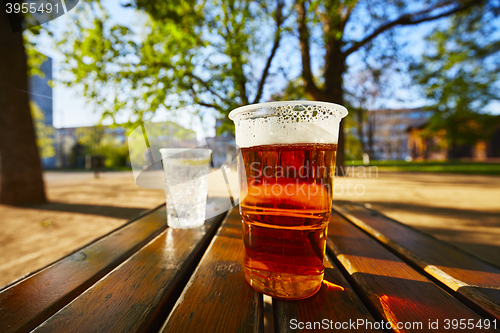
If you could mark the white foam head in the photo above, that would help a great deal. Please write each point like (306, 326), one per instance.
(287, 122)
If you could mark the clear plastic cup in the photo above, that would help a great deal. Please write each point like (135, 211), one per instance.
(186, 172)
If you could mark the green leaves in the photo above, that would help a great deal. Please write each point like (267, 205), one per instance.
(186, 53)
(460, 76)
(220, 54)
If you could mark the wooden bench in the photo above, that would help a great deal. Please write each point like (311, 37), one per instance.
(146, 277)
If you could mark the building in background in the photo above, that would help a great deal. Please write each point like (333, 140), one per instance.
(41, 94)
(386, 132)
(70, 153)
(435, 148)
(426, 148)
(223, 146)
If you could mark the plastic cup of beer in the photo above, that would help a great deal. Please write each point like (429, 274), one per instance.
(286, 169)
(186, 172)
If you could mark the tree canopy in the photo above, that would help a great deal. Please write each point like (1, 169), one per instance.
(460, 76)
(221, 54)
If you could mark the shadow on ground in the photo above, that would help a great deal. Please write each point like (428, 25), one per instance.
(108, 211)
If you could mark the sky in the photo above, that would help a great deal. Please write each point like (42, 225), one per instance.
(71, 109)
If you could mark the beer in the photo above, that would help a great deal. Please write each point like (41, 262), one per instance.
(286, 168)
(285, 216)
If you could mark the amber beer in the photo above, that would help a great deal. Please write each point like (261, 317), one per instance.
(285, 214)
(286, 170)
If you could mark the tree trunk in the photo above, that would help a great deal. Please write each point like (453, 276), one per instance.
(337, 99)
(21, 180)
(371, 128)
(334, 69)
(335, 95)
(341, 170)
(341, 152)
(361, 130)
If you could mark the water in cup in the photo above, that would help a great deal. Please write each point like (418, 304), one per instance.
(186, 186)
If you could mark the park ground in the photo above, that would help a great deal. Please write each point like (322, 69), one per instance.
(463, 210)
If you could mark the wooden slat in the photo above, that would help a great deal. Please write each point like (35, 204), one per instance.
(217, 298)
(397, 292)
(471, 278)
(137, 295)
(334, 304)
(32, 300)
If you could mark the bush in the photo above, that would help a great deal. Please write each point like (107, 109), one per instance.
(116, 156)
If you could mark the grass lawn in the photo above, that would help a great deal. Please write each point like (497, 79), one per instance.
(467, 168)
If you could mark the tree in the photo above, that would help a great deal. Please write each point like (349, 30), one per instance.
(91, 138)
(367, 86)
(221, 54)
(460, 77)
(21, 180)
(334, 17)
(100, 141)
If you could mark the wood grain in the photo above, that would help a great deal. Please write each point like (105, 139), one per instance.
(217, 297)
(29, 302)
(391, 288)
(137, 295)
(473, 279)
(335, 304)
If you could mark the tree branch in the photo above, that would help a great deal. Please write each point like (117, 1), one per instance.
(277, 38)
(333, 29)
(345, 12)
(310, 86)
(235, 54)
(197, 100)
(240, 78)
(413, 19)
(206, 85)
(208, 105)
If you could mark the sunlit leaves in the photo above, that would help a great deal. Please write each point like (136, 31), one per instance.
(187, 52)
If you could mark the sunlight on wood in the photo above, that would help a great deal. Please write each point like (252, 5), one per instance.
(389, 315)
(332, 286)
(394, 269)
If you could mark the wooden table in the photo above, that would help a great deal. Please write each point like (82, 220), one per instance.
(147, 277)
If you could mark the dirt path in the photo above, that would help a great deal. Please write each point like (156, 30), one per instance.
(463, 210)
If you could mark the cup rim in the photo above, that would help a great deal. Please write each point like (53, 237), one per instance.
(232, 115)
